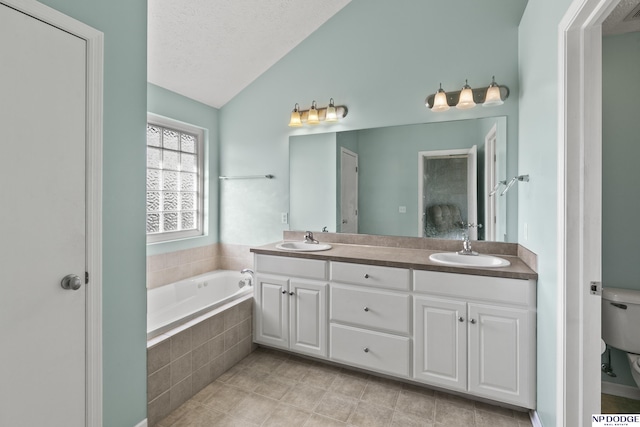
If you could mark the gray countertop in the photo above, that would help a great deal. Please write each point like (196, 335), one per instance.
(417, 259)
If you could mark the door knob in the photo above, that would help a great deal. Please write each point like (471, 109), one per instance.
(71, 282)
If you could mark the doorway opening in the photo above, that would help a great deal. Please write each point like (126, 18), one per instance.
(448, 193)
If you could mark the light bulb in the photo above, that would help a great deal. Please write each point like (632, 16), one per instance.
(313, 119)
(331, 114)
(466, 98)
(440, 101)
(493, 97)
(295, 121)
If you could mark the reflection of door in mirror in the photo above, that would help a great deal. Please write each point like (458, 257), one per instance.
(348, 191)
(490, 182)
(495, 171)
(448, 193)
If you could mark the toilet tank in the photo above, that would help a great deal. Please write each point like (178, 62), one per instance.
(621, 319)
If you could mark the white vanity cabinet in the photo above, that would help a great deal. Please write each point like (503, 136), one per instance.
(370, 315)
(462, 332)
(291, 312)
(476, 334)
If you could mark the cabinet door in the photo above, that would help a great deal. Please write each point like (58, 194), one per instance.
(440, 348)
(500, 354)
(308, 317)
(272, 311)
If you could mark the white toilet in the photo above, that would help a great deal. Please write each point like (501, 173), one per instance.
(621, 324)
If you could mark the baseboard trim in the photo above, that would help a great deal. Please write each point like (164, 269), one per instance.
(142, 423)
(535, 419)
(621, 390)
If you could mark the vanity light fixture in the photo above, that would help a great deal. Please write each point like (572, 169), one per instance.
(467, 97)
(331, 115)
(313, 119)
(315, 115)
(295, 121)
(465, 101)
(440, 101)
(493, 97)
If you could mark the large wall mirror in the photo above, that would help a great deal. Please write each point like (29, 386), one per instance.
(418, 180)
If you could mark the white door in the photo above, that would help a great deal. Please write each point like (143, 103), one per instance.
(498, 350)
(42, 223)
(490, 182)
(348, 191)
(472, 191)
(440, 351)
(308, 317)
(272, 311)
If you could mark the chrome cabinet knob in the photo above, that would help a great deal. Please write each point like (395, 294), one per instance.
(473, 321)
(71, 282)
(284, 292)
(460, 319)
(366, 309)
(290, 293)
(366, 276)
(366, 349)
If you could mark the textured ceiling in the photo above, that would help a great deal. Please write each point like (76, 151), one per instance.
(209, 50)
(614, 24)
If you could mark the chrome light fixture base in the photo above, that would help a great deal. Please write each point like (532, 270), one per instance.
(479, 96)
(341, 112)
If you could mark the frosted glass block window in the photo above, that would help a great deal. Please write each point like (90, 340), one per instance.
(174, 180)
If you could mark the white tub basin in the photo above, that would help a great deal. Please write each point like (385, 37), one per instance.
(455, 259)
(303, 246)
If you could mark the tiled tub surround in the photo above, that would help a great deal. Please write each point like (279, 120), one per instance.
(171, 267)
(183, 361)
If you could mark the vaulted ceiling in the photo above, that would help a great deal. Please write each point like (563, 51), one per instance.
(209, 50)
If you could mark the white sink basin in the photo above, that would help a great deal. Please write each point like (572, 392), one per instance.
(453, 258)
(303, 246)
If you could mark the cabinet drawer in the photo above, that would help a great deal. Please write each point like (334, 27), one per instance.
(469, 287)
(371, 275)
(371, 350)
(288, 266)
(373, 309)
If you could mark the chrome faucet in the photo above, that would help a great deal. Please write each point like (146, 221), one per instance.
(466, 242)
(308, 238)
(248, 281)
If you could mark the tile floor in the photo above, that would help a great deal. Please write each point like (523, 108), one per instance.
(619, 405)
(270, 388)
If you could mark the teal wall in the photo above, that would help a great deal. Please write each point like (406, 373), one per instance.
(313, 171)
(379, 58)
(169, 104)
(620, 173)
(124, 24)
(537, 199)
(388, 171)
